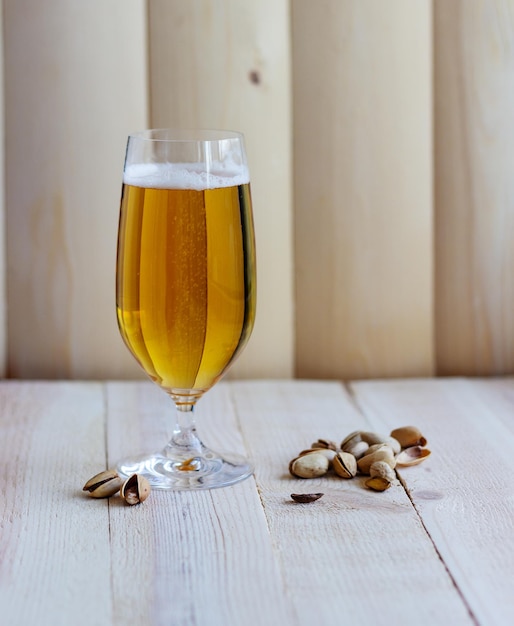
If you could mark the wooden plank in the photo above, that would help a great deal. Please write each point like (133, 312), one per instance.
(193, 557)
(468, 512)
(376, 557)
(3, 260)
(474, 186)
(498, 395)
(75, 77)
(363, 188)
(54, 542)
(222, 65)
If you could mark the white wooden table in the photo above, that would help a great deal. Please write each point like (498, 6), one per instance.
(437, 548)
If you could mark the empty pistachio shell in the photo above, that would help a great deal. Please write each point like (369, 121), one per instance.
(309, 465)
(409, 436)
(412, 456)
(377, 483)
(345, 465)
(103, 485)
(306, 498)
(384, 454)
(135, 489)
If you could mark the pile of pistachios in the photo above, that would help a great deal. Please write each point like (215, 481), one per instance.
(133, 490)
(363, 452)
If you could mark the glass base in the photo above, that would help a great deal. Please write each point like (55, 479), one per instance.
(206, 471)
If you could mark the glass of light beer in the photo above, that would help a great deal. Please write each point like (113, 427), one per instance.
(185, 285)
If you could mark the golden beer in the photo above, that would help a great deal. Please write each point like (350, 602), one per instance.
(185, 291)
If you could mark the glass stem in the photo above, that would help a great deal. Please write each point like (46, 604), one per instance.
(184, 439)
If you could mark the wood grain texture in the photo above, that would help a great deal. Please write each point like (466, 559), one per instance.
(75, 77)
(367, 553)
(54, 545)
(208, 555)
(468, 519)
(474, 186)
(3, 256)
(226, 64)
(437, 545)
(363, 188)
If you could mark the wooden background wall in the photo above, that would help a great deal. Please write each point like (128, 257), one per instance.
(381, 144)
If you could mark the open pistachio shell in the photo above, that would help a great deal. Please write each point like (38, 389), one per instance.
(412, 456)
(135, 489)
(345, 465)
(378, 483)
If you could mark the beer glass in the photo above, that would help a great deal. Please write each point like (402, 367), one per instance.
(185, 285)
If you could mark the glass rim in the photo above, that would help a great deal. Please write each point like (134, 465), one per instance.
(185, 135)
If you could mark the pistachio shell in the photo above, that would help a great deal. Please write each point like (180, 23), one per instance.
(357, 448)
(352, 438)
(306, 498)
(311, 465)
(409, 436)
(345, 465)
(326, 444)
(108, 489)
(329, 453)
(100, 478)
(412, 456)
(382, 470)
(373, 438)
(135, 489)
(384, 454)
(378, 446)
(103, 485)
(377, 483)
(394, 444)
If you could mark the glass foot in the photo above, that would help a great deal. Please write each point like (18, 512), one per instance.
(206, 471)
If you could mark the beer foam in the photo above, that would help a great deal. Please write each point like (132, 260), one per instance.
(185, 175)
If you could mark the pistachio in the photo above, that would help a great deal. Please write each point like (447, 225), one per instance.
(375, 439)
(393, 443)
(345, 465)
(351, 439)
(326, 444)
(412, 456)
(382, 469)
(377, 483)
(309, 465)
(327, 452)
(378, 446)
(357, 448)
(103, 485)
(409, 436)
(305, 498)
(372, 438)
(384, 454)
(135, 489)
